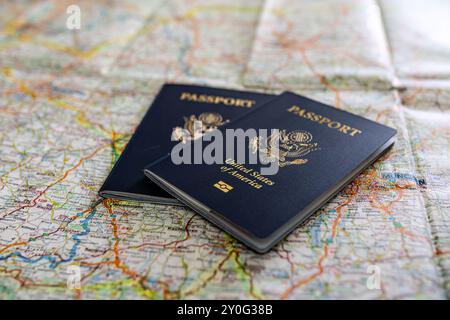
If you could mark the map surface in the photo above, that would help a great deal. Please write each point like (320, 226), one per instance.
(71, 99)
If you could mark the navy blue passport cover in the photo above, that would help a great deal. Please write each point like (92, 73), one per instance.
(174, 105)
(324, 149)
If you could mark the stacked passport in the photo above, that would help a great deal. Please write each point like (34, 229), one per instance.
(311, 151)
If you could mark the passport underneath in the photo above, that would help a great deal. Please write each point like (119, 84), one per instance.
(321, 150)
(175, 107)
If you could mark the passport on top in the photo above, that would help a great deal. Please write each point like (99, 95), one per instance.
(175, 107)
(321, 149)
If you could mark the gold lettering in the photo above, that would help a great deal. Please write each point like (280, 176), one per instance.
(355, 132)
(250, 103)
(309, 115)
(334, 125)
(240, 103)
(344, 129)
(185, 95)
(228, 101)
(324, 120)
(293, 108)
(317, 117)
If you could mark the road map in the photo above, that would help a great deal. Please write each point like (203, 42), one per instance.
(70, 99)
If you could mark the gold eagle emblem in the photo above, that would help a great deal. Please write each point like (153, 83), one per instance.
(195, 127)
(287, 148)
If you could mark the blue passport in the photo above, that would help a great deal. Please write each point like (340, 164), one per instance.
(318, 150)
(175, 110)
